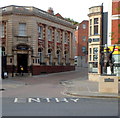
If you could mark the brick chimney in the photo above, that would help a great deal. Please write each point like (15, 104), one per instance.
(50, 10)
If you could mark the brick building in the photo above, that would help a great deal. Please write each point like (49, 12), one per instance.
(82, 44)
(115, 22)
(39, 41)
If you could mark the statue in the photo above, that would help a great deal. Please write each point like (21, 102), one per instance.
(108, 60)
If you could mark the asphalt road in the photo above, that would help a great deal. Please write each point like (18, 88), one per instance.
(18, 91)
(59, 107)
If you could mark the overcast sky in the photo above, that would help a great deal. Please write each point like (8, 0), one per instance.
(74, 9)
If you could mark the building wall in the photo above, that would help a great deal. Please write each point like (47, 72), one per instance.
(94, 39)
(115, 22)
(33, 18)
(82, 44)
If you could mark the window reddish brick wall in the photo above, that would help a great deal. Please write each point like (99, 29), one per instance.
(81, 33)
(116, 22)
(116, 7)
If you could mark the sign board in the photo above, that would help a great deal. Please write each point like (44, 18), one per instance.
(108, 80)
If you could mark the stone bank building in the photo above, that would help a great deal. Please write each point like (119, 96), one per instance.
(40, 41)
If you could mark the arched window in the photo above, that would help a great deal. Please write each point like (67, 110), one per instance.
(58, 56)
(50, 56)
(40, 54)
(66, 57)
(3, 51)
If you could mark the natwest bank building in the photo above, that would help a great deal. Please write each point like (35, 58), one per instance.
(39, 41)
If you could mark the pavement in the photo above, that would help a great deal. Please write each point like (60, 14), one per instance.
(77, 87)
(86, 88)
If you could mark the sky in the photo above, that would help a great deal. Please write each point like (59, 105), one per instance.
(74, 9)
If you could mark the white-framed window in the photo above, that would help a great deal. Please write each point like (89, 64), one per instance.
(40, 32)
(40, 54)
(58, 56)
(95, 54)
(90, 21)
(96, 20)
(2, 30)
(3, 51)
(49, 34)
(66, 57)
(66, 37)
(50, 56)
(84, 26)
(22, 29)
(58, 36)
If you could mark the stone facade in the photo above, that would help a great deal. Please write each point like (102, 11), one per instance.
(37, 40)
(108, 84)
(95, 31)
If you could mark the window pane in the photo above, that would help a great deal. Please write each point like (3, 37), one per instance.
(83, 49)
(90, 21)
(93, 67)
(96, 30)
(84, 26)
(84, 38)
(2, 30)
(40, 54)
(40, 32)
(90, 30)
(96, 40)
(95, 50)
(95, 20)
(90, 50)
(90, 58)
(49, 34)
(95, 57)
(58, 36)
(22, 29)
(66, 37)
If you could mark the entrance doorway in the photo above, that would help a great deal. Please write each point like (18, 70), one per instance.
(22, 60)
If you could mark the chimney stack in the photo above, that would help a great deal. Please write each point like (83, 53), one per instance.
(50, 10)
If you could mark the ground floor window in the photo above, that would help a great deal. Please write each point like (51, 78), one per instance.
(93, 67)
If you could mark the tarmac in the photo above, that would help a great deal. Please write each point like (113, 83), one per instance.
(80, 87)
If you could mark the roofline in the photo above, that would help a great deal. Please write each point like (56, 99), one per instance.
(96, 6)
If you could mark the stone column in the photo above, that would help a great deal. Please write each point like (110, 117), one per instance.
(63, 47)
(29, 58)
(55, 47)
(71, 46)
(29, 62)
(15, 63)
(46, 46)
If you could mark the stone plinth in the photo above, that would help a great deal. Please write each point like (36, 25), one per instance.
(93, 77)
(108, 84)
